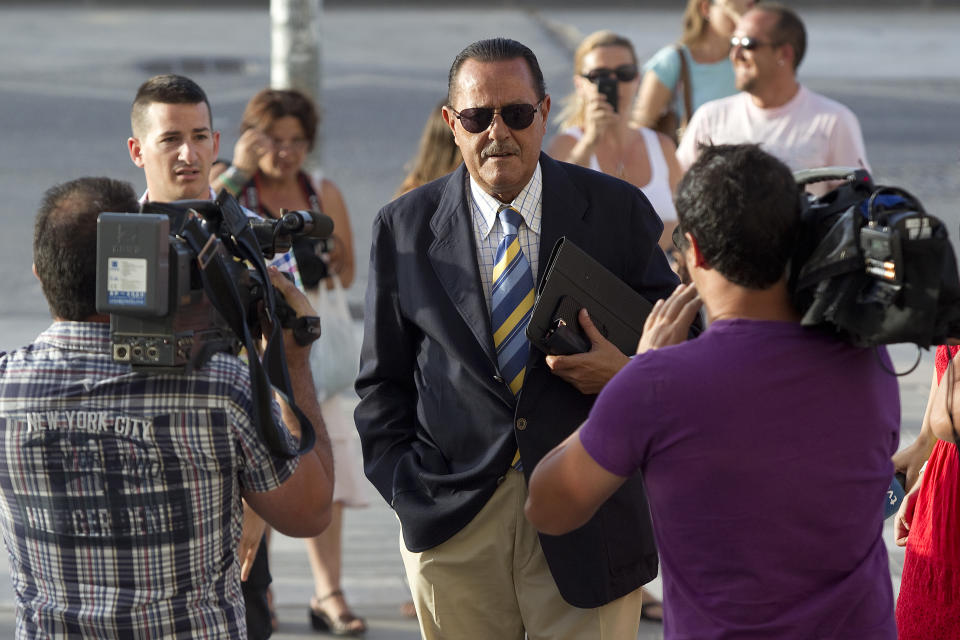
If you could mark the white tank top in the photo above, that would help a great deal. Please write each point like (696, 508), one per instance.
(658, 190)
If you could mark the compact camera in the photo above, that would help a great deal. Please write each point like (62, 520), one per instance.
(607, 87)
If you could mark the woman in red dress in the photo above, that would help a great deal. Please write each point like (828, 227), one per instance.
(928, 523)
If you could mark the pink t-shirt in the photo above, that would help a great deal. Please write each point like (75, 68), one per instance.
(808, 132)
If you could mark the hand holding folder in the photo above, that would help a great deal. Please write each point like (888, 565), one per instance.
(575, 280)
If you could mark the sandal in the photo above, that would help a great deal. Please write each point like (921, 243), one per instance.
(343, 625)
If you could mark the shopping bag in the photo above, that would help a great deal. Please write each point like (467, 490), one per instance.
(335, 357)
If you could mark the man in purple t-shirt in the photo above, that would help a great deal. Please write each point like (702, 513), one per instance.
(764, 447)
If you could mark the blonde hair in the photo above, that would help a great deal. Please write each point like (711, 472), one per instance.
(573, 105)
(694, 24)
(437, 153)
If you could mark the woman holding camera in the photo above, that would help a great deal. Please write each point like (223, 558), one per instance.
(595, 131)
(278, 130)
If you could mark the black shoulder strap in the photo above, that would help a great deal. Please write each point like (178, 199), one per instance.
(226, 299)
(313, 195)
(683, 83)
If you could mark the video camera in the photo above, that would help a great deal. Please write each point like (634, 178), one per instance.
(872, 266)
(150, 267)
(185, 280)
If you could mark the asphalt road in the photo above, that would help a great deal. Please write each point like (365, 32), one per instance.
(68, 75)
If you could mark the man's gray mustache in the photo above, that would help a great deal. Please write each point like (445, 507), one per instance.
(499, 149)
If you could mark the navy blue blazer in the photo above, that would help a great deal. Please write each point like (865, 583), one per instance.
(438, 426)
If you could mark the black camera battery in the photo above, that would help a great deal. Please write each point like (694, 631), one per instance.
(133, 264)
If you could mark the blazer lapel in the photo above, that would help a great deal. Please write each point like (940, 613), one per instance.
(454, 259)
(563, 210)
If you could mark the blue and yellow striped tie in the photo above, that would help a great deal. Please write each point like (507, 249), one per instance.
(511, 301)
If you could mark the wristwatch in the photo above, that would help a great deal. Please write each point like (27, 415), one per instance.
(306, 329)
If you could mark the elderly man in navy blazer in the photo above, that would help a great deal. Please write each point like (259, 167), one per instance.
(456, 406)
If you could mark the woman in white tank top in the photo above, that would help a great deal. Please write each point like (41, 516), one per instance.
(596, 135)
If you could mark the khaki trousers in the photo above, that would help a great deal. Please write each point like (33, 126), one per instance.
(491, 580)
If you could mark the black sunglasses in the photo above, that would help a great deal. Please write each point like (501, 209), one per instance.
(624, 73)
(515, 116)
(749, 44)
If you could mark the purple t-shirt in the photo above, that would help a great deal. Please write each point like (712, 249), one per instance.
(765, 450)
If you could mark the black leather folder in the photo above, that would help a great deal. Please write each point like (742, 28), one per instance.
(574, 280)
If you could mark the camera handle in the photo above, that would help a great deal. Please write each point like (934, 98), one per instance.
(824, 174)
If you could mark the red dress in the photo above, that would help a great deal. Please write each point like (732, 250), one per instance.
(929, 604)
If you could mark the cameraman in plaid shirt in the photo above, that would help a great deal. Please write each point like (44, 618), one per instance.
(120, 493)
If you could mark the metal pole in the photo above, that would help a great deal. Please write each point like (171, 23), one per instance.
(295, 52)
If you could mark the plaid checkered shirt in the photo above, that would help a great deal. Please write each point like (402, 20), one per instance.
(120, 492)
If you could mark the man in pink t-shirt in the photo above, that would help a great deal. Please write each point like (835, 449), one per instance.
(800, 127)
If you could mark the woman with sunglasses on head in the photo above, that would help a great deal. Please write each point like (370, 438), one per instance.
(278, 130)
(595, 131)
(705, 46)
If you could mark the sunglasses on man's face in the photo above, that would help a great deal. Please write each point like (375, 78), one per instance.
(515, 116)
(623, 73)
(749, 44)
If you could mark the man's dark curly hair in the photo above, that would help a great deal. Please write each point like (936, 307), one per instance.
(65, 241)
(742, 206)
